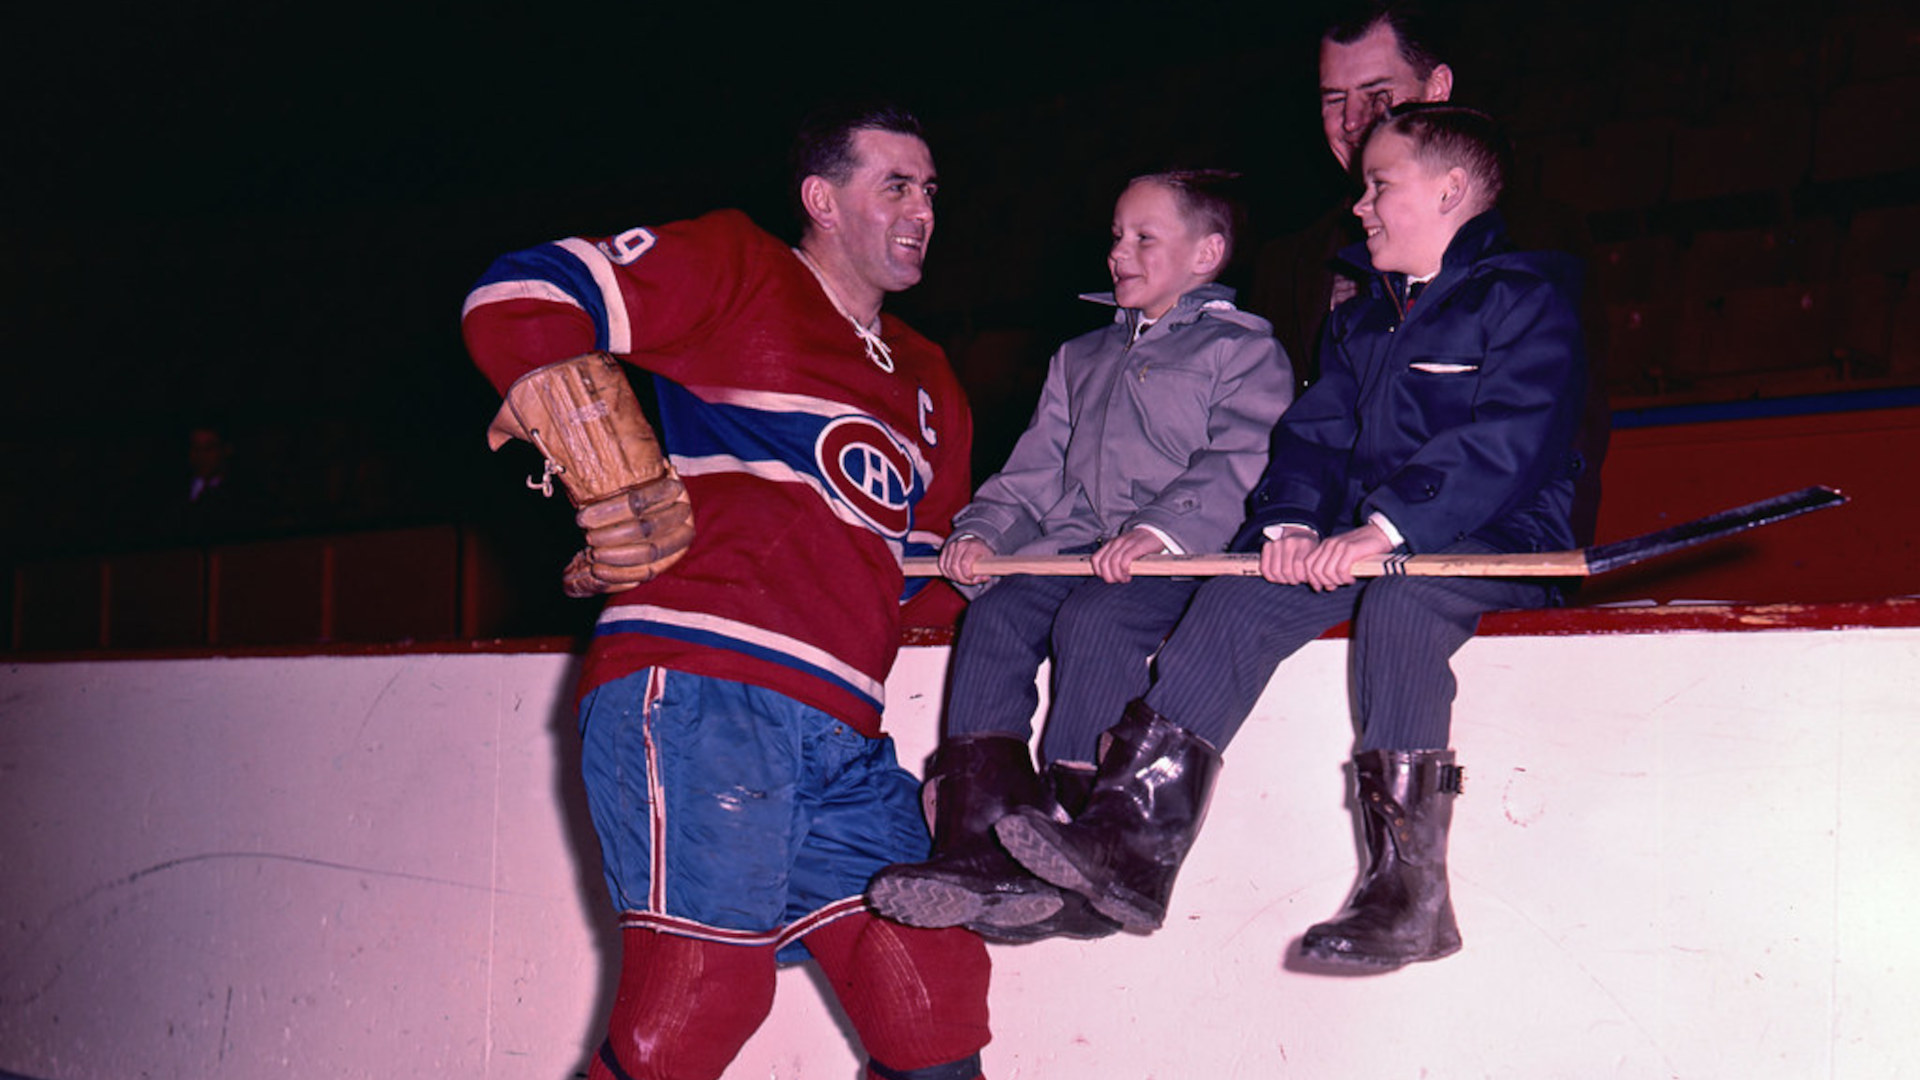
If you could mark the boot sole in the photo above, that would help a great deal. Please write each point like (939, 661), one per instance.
(932, 904)
(1026, 934)
(1036, 851)
(1330, 957)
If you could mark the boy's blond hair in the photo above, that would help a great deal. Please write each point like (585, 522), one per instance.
(1453, 136)
(1206, 203)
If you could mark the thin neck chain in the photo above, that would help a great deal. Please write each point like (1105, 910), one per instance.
(877, 350)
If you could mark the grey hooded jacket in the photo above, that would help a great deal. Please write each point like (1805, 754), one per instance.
(1167, 431)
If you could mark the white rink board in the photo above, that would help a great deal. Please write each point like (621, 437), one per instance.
(1679, 855)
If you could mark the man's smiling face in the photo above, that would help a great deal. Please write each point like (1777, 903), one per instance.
(885, 208)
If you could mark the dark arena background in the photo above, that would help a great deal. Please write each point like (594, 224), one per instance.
(293, 789)
(259, 221)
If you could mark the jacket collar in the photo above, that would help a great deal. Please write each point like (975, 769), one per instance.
(1211, 296)
(1485, 235)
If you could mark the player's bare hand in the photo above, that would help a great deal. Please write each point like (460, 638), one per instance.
(1114, 561)
(957, 558)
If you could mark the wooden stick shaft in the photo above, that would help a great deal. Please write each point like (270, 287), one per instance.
(1554, 564)
(1541, 564)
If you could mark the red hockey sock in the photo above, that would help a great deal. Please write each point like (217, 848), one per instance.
(684, 1007)
(917, 997)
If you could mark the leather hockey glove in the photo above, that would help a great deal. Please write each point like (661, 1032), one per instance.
(582, 416)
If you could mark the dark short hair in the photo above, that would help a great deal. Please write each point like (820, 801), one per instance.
(1449, 136)
(1413, 28)
(1207, 201)
(823, 146)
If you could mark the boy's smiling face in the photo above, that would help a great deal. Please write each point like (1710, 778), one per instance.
(1156, 258)
(1410, 211)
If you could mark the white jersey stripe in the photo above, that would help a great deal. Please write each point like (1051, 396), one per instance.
(750, 635)
(619, 331)
(768, 401)
(525, 289)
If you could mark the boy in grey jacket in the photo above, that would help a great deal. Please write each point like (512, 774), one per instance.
(1148, 436)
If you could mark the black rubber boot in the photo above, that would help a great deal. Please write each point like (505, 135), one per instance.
(970, 881)
(1070, 785)
(1401, 911)
(1124, 850)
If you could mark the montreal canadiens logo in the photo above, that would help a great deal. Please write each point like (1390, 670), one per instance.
(869, 472)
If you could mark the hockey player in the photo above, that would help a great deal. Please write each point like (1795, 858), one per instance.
(740, 786)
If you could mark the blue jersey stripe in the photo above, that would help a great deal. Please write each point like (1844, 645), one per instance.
(556, 265)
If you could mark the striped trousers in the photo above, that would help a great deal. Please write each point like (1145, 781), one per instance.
(1099, 636)
(1405, 631)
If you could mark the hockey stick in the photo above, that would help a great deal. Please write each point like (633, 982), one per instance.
(1582, 562)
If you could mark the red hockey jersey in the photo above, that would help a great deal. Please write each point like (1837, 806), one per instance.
(812, 470)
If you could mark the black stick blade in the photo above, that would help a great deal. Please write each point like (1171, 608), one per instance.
(1605, 557)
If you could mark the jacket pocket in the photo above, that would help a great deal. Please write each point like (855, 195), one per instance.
(1441, 390)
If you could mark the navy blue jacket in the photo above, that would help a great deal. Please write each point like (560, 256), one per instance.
(1455, 419)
